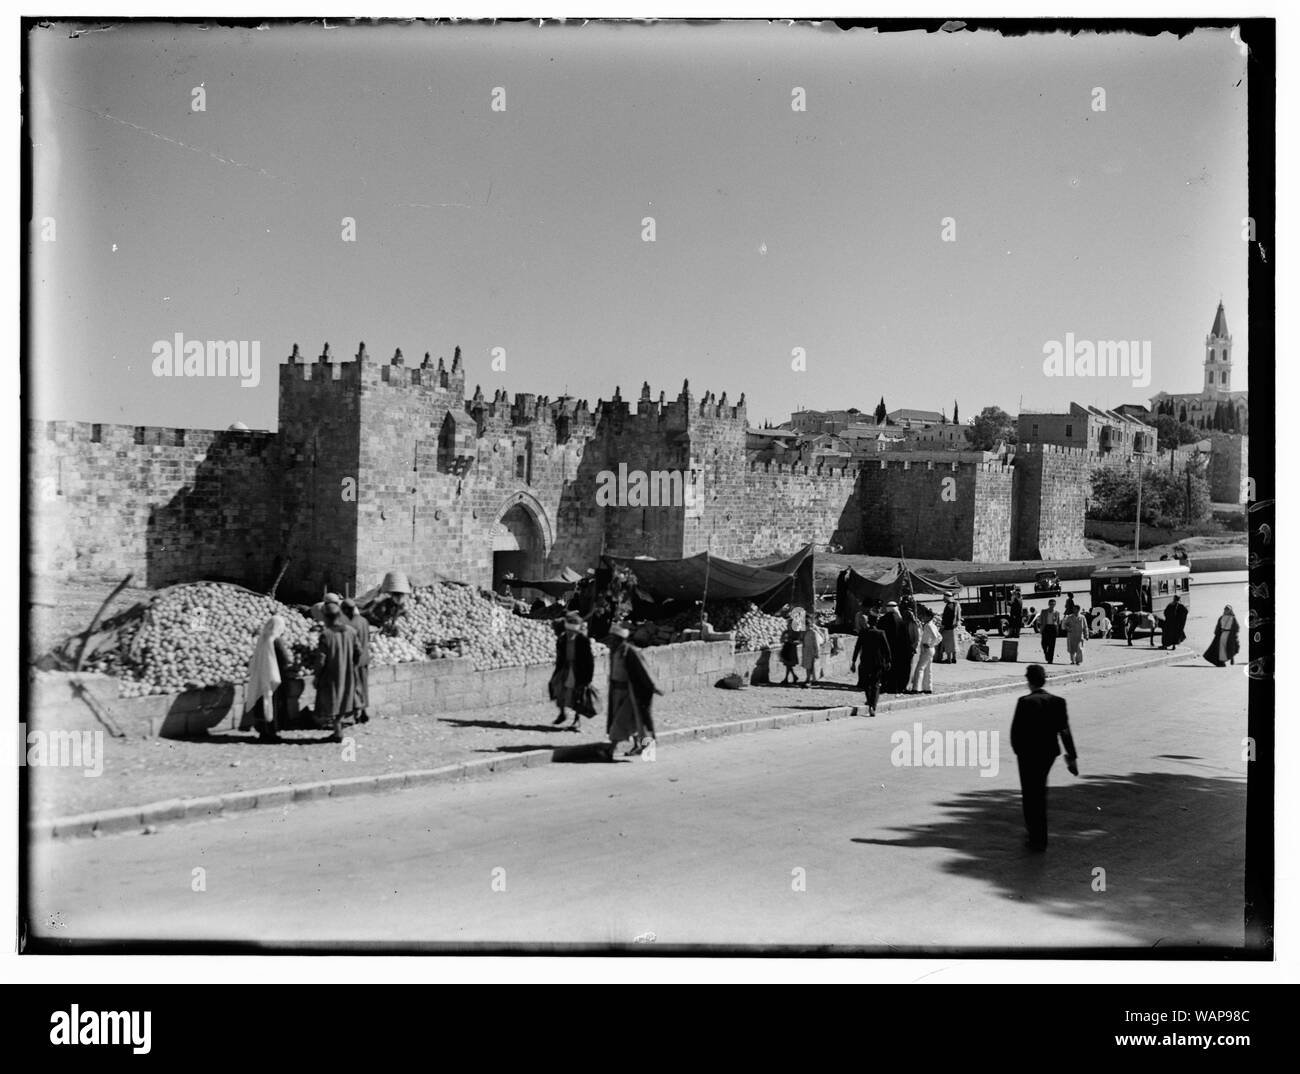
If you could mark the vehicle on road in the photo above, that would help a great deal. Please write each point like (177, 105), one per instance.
(1047, 582)
(992, 609)
(1140, 589)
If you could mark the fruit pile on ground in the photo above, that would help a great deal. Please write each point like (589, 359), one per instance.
(196, 635)
(454, 620)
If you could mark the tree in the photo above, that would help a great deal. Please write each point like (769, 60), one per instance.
(1182, 413)
(956, 420)
(1165, 496)
(989, 426)
(1171, 434)
(881, 413)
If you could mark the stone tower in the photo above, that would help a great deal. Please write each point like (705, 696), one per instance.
(1218, 358)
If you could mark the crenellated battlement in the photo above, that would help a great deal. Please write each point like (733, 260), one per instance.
(956, 465)
(799, 469)
(117, 437)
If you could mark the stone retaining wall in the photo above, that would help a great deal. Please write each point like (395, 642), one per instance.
(435, 687)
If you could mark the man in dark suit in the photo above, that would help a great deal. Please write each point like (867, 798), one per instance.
(1040, 720)
(871, 660)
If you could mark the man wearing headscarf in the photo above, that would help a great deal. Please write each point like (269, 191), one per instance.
(361, 625)
(949, 621)
(338, 656)
(900, 666)
(268, 680)
(631, 694)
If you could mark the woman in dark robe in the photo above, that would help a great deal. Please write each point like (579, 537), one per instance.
(338, 656)
(1223, 649)
(631, 694)
(575, 667)
(267, 688)
(871, 660)
(1174, 623)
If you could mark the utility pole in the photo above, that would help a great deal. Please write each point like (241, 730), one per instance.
(1137, 525)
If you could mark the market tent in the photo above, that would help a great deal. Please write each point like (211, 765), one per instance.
(789, 581)
(854, 591)
(555, 586)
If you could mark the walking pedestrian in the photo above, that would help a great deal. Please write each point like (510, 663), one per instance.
(1040, 720)
(266, 691)
(1049, 624)
(1015, 614)
(631, 695)
(338, 654)
(926, 644)
(575, 667)
(1076, 630)
(1223, 649)
(1175, 624)
(361, 625)
(949, 621)
(871, 659)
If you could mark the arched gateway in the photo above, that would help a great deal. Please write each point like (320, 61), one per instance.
(521, 539)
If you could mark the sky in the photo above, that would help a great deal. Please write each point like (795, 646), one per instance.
(774, 230)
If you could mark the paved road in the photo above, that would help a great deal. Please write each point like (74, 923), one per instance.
(711, 844)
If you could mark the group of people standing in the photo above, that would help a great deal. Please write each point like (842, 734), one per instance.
(895, 650)
(341, 662)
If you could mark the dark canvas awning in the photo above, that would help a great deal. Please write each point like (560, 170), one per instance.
(854, 591)
(556, 586)
(789, 581)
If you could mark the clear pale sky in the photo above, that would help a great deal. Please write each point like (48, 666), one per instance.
(775, 229)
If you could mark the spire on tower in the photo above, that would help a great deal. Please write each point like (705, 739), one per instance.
(1220, 329)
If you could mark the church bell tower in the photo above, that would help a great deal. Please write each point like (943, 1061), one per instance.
(1218, 357)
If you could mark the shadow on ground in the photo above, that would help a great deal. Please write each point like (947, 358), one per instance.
(1157, 835)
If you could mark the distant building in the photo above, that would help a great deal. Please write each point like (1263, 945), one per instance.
(952, 437)
(1199, 408)
(1137, 411)
(916, 419)
(1090, 429)
(815, 422)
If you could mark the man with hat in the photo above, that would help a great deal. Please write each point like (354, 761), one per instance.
(1040, 720)
(631, 694)
(338, 656)
(574, 669)
(391, 602)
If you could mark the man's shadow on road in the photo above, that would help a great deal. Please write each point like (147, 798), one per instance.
(1148, 831)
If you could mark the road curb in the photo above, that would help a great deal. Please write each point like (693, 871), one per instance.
(147, 818)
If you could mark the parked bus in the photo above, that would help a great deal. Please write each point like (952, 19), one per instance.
(1142, 588)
